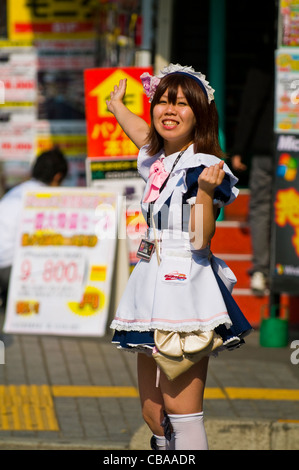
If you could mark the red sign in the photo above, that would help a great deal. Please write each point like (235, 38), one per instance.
(105, 137)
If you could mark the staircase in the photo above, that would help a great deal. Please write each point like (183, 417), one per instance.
(232, 243)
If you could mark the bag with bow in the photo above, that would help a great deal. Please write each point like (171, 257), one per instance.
(176, 352)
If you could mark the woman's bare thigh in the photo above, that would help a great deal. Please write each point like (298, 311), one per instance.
(184, 395)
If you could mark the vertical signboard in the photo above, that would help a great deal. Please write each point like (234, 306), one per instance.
(285, 224)
(285, 233)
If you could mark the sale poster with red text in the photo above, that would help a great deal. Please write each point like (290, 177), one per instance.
(62, 272)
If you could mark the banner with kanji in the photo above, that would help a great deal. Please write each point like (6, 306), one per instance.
(51, 19)
(285, 233)
(105, 137)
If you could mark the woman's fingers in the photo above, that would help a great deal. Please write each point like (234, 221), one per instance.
(120, 89)
(118, 93)
(213, 174)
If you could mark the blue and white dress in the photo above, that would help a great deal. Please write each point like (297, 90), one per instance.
(186, 290)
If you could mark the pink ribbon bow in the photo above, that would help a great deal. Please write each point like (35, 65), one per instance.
(157, 176)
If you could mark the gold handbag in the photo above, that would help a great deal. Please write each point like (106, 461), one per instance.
(176, 352)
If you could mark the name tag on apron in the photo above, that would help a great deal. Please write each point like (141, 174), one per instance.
(145, 250)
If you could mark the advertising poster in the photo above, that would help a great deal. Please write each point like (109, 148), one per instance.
(285, 233)
(62, 272)
(105, 137)
(287, 91)
(51, 19)
(17, 133)
(289, 23)
(18, 73)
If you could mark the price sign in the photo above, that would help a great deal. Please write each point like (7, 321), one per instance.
(51, 273)
(62, 272)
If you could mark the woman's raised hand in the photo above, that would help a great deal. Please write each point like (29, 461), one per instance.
(133, 125)
(211, 177)
(117, 95)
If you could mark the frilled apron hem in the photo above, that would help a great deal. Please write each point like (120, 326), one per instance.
(182, 327)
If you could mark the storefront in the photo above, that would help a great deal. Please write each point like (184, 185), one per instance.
(45, 46)
(62, 39)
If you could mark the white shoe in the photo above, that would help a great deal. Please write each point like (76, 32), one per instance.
(258, 284)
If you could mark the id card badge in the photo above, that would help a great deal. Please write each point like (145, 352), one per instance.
(145, 250)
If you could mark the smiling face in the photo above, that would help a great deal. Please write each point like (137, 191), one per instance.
(181, 113)
(174, 120)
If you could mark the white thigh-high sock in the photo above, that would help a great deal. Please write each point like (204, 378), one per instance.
(161, 443)
(158, 442)
(189, 431)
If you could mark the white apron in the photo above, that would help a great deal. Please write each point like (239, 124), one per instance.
(179, 294)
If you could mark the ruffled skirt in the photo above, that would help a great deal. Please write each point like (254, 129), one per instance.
(185, 291)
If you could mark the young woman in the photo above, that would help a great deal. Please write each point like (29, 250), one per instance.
(182, 287)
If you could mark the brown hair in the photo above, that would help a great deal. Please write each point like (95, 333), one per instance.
(205, 138)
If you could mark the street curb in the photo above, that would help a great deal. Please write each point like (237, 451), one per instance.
(30, 444)
(243, 434)
(222, 434)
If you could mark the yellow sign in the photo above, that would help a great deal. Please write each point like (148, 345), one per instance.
(105, 137)
(134, 94)
(51, 19)
(72, 145)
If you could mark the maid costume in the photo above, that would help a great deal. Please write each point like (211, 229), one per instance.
(179, 288)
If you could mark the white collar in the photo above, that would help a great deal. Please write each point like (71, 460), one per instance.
(176, 182)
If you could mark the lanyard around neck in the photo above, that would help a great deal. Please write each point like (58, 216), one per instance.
(164, 184)
(174, 164)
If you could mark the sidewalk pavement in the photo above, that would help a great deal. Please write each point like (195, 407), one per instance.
(81, 393)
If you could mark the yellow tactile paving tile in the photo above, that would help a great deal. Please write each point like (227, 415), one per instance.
(27, 408)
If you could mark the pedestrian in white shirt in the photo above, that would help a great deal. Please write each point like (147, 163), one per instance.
(49, 169)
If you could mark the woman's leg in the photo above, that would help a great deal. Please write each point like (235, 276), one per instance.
(183, 401)
(185, 393)
(150, 395)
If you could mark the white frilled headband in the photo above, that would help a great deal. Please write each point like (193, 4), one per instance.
(151, 82)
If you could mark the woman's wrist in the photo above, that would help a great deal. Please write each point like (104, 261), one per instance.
(204, 195)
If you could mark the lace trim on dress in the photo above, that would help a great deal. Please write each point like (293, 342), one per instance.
(187, 328)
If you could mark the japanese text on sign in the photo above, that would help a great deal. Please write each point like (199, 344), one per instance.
(105, 136)
(287, 212)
